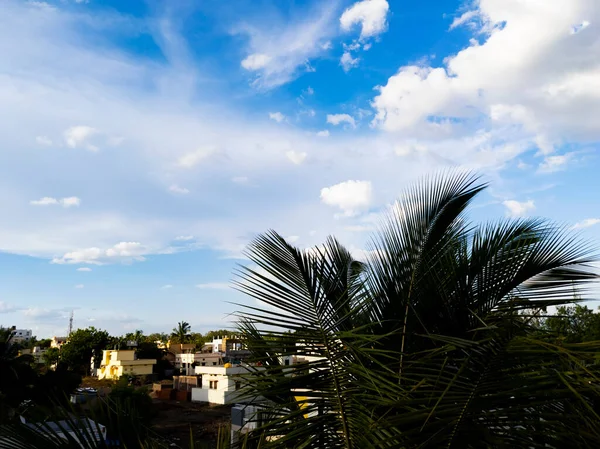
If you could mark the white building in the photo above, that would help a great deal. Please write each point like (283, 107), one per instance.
(220, 384)
(57, 342)
(20, 335)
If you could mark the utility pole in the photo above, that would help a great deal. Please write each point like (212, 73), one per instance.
(70, 324)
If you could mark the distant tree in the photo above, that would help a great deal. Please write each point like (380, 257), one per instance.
(51, 357)
(44, 343)
(574, 324)
(198, 339)
(149, 350)
(181, 334)
(157, 336)
(81, 346)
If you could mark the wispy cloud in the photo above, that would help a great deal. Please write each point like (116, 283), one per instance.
(214, 286)
(586, 223)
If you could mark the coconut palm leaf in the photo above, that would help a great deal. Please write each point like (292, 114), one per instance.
(423, 345)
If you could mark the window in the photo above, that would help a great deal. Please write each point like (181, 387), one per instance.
(287, 362)
(238, 385)
(203, 363)
(213, 384)
(214, 363)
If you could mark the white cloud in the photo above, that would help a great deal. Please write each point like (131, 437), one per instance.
(193, 158)
(586, 223)
(369, 14)
(240, 179)
(277, 116)
(77, 136)
(121, 252)
(184, 238)
(79, 286)
(166, 287)
(309, 91)
(256, 61)
(348, 62)
(277, 53)
(70, 201)
(323, 133)
(44, 141)
(45, 201)
(296, 157)
(336, 119)
(292, 239)
(214, 286)
(350, 196)
(85, 269)
(465, 17)
(174, 188)
(549, 99)
(555, 163)
(518, 209)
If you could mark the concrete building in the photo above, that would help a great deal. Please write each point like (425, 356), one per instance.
(21, 336)
(57, 342)
(220, 384)
(37, 353)
(117, 363)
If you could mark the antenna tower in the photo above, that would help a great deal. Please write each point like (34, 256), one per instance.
(70, 324)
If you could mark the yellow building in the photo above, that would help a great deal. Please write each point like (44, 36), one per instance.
(117, 363)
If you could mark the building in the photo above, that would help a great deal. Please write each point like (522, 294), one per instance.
(37, 353)
(117, 363)
(84, 432)
(21, 336)
(57, 342)
(220, 384)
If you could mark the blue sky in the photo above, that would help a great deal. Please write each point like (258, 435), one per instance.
(144, 143)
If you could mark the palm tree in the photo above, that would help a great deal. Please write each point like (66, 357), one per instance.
(181, 333)
(426, 343)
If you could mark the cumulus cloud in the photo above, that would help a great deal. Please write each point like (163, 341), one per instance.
(71, 201)
(323, 133)
(336, 119)
(350, 196)
(121, 252)
(586, 223)
(541, 100)
(518, 209)
(296, 157)
(370, 15)
(348, 62)
(277, 116)
(78, 136)
(174, 188)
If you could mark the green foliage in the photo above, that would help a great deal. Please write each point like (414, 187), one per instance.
(81, 346)
(423, 344)
(44, 343)
(181, 334)
(574, 324)
(51, 356)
